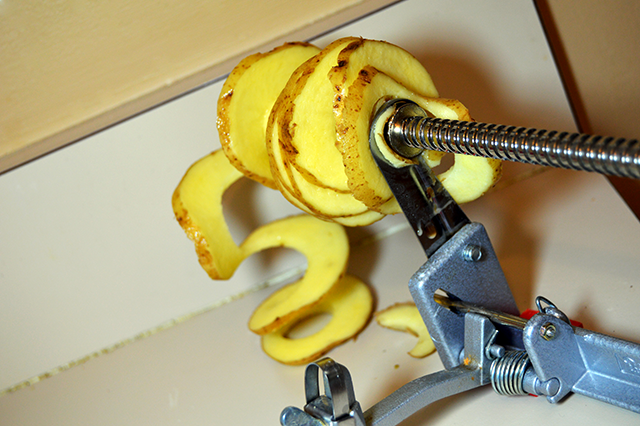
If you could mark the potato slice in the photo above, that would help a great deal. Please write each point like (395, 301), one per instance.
(307, 124)
(390, 59)
(406, 317)
(313, 126)
(468, 178)
(350, 305)
(245, 103)
(197, 205)
(322, 202)
(326, 247)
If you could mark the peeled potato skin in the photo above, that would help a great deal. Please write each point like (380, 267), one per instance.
(406, 317)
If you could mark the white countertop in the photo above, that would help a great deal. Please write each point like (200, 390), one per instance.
(91, 256)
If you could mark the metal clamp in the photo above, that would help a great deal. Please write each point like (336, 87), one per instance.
(336, 407)
(466, 303)
(583, 361)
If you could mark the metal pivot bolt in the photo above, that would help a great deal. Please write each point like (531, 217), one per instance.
(472, 253)
(548, 331)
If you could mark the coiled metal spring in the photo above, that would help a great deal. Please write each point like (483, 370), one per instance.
(607, 155)
(508, 371)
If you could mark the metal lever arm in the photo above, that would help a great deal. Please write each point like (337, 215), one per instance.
(429, 208)
(338, 406)
(473, 372)
(419, 393)
(398, 406)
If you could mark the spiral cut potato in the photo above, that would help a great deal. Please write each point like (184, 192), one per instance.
(296, 119)
(197, 204)
(351, 297)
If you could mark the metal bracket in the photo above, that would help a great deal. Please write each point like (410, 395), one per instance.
(476, 279)
(584, 362)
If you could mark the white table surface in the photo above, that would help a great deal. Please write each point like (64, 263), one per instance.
(90, 254)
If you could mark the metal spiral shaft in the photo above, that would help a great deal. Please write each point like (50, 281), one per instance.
(606, 155)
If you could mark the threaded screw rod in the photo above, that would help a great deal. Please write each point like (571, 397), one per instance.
(576, 151)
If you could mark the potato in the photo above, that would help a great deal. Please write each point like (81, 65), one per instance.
(406, 317)
(325, 203)
(245, 103)
(468, 178)
(350, 305)
(326, 247)
(297, 119)
(197, 205)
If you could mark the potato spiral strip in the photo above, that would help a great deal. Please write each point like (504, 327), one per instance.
(197, 203)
